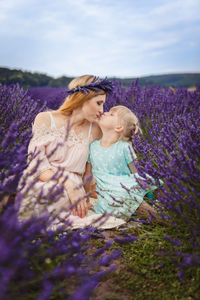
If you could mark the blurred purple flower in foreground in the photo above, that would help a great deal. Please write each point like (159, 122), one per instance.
(168, 150)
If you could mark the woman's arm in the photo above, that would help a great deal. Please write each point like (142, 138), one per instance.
(37, 146)
(75, 194)
(46, 175)
(44, 172)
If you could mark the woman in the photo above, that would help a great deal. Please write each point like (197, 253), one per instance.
(59, 149)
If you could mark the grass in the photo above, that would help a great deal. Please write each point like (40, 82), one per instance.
(144, 270)
(144, 273)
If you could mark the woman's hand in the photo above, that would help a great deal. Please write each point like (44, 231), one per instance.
(74, 195)
(81, 208)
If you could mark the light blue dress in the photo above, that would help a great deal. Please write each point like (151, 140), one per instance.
(118, 191)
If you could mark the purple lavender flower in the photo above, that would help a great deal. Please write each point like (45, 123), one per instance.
(168, 149)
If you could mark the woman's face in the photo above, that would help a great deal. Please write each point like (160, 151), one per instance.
(93, 108)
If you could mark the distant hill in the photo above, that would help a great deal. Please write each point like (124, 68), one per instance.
(175, 80)
(28, 79)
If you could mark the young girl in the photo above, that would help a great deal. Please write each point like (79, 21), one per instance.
(112, 161)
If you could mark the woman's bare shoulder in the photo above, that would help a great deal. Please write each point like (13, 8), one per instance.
(42, 119)
(96, 131)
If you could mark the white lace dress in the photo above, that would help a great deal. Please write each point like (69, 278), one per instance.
(64, 152)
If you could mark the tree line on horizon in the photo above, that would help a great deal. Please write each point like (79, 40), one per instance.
(28, 79)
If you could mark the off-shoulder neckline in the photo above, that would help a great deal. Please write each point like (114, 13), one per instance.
(62, 129)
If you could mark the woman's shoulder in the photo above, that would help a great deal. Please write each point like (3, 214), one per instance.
(42, 119)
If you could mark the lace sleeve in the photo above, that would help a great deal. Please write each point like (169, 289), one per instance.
(37, 159)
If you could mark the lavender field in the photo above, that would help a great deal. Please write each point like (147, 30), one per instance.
(40, 264)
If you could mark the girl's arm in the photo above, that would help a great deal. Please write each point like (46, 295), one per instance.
(132, 167)
(88, 172)
(130, 157)
(90, 186)
(87, 186)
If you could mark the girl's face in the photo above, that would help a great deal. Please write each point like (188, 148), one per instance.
(109, 120)
(93, 108)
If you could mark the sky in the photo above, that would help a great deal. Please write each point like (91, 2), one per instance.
(129, 38)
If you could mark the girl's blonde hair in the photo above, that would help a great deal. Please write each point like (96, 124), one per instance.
(77, 99)
(129, 121)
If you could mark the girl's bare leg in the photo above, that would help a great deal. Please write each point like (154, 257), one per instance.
(144, 209)
(4, 202)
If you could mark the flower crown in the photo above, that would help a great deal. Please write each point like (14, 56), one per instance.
(95, 85)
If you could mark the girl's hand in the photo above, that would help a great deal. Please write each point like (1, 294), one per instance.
(89, 205)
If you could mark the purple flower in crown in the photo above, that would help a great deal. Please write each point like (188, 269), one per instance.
(96, 85)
